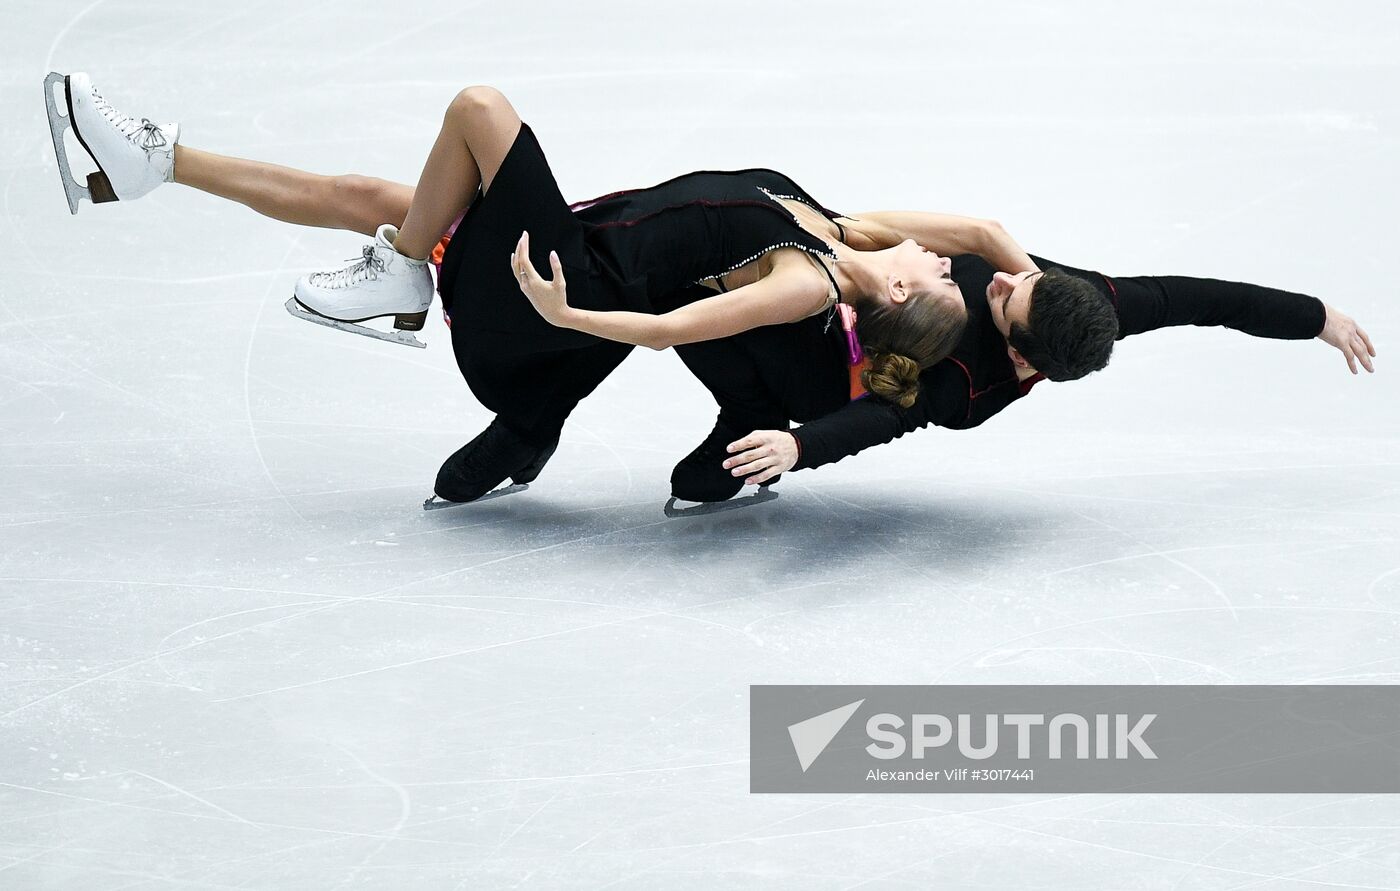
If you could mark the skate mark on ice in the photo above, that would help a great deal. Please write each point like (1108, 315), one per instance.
(438, 658)
(340, 834)
(512, 598)
(617, 456)
(155, 657)
(1157, 552)
(1218, 547)
(1158, 613)
(247, 391)
(219, 618)
(1287, 838)
(1247, 510)
(28, 386)
(1145, 656)
(193, 797)
(405, 809)
(69, 370)
(309, 337)
(917, 569)
(379, 595)
(48, 57)
(749, 837)
(1376, 583)
(187, 280)
(677, 613)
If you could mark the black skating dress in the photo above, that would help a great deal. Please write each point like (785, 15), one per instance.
(644, 250)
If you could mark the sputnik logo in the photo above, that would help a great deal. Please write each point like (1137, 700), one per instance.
(811, 737)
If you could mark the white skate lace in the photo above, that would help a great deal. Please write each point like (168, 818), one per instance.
(144, 134)
(367, 267)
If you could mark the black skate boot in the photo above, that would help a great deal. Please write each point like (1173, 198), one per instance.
(700, 475)
(530, 471)
(484, 463)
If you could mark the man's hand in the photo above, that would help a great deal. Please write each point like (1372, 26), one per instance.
(1344, 334)
(763, 453)
(548, 297)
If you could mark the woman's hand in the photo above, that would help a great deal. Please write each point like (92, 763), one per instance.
(1344, 334)
(763, 453)
(548, 297)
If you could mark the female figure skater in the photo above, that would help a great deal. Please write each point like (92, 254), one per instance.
(701, 256)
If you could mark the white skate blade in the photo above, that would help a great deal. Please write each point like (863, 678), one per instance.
(702, 508)
(436, 503)
(58, 123)
(401, 337)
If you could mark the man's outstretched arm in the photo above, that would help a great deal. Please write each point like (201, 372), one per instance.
(1146, 303)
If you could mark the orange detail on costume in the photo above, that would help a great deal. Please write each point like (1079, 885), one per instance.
(857, 388)
(440, 250)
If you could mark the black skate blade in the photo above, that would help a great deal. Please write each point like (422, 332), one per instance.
(399, 337)
(436, 503)
(705, 508)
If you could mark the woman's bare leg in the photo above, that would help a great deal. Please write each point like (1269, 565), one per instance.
(354, 202)
(477, 132)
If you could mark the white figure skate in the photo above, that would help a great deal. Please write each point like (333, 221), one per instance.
(382, 282)
(132, 156)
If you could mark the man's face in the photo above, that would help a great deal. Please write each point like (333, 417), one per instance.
(1009, 297)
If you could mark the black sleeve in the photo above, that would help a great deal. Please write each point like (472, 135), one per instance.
(871, 421)
(1146, 303)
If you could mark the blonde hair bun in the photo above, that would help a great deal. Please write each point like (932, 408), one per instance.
(894, 378)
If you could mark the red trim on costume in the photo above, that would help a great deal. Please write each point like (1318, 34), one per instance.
(581, 205)
(1112, 289)
(1023, 387)
(970, 395)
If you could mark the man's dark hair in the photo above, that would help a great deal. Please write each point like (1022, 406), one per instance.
(1072, 327)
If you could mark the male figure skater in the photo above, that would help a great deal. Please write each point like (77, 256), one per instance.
(1021, 329)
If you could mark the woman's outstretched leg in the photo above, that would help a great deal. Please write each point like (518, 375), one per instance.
(351, 201)
(134, 156)
(478, 130)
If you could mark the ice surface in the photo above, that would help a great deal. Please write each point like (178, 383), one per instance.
(234, 651)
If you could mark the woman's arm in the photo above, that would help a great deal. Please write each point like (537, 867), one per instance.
(784, 295)
(947, 234)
